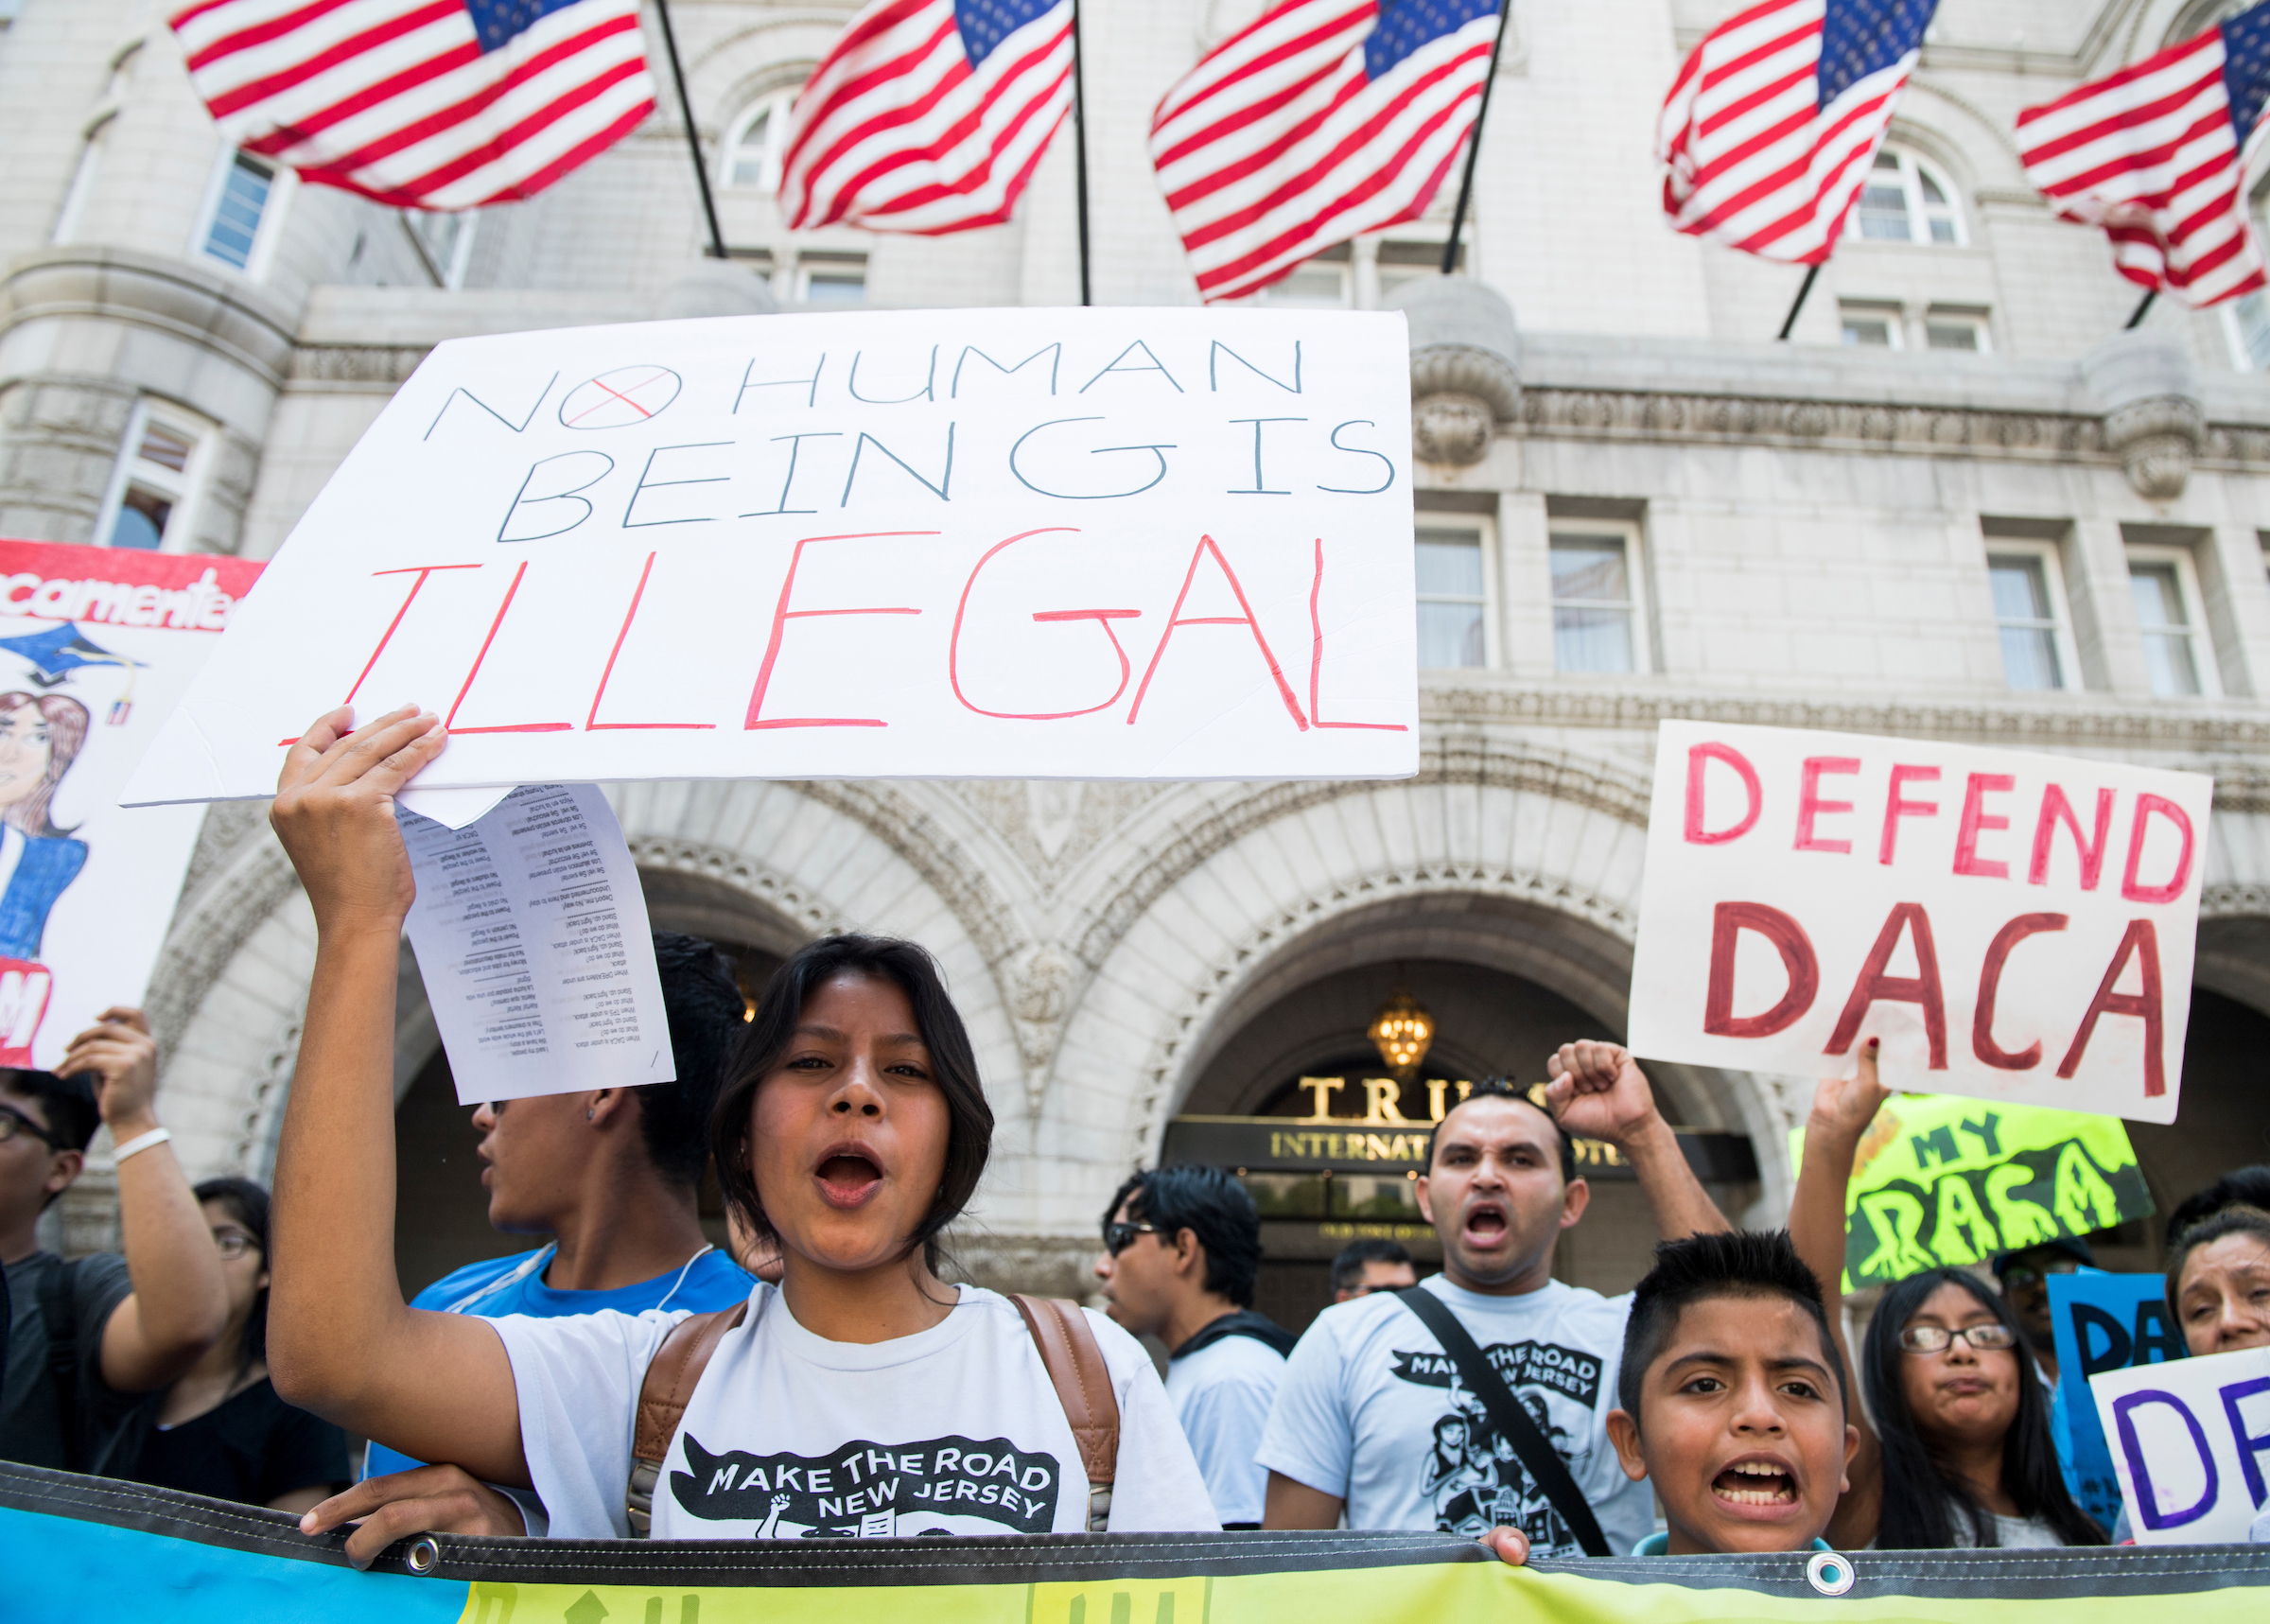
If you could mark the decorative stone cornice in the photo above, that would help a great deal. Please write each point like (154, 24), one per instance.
(225, 315)
(388, 365)
(1465, 366)
(2154, 725)
(1808, 422)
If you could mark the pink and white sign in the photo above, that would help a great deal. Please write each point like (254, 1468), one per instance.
(96, 645)
(2012, 926)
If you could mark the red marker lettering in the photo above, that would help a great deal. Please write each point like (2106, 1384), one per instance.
(1811, 805)
(783, 614)
(1977, 821)
(1316, 656)
(1990, 986)
(1101, 617)
(2142, 941)
(449, 722)
(591, 723)
(1874, 987)
(2055, 809)
(1797, 958)
(1699, 757)
(2146, 807)
(1207, 546)
(1898, 805)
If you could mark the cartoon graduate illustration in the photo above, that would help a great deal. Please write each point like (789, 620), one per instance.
(41, 735)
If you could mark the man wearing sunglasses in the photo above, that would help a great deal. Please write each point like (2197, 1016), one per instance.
(92, 1337)
(1182, 1249)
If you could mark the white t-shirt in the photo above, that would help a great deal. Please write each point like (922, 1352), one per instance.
(956, 1429)
(1222, 1395)
(1372, 1410)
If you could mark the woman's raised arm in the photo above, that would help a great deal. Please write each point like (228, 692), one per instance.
(340, 1341)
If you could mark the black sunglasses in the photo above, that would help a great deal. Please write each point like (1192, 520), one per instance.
(1118, 1238)
(14, 1122)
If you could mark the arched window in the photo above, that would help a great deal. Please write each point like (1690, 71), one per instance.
(759, 138)
(1907, 198)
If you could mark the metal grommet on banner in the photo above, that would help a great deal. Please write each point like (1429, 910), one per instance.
(424, 1555)
(1829, 1572)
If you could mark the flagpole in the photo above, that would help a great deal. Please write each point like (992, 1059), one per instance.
(2143, 309)
(1804, 288)
(693, 145)
(1080, 144)
(1474, 149)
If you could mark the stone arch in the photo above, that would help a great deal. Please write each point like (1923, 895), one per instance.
(1532, 871)
(229, 994)
(758, 58)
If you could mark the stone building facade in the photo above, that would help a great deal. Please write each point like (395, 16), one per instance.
(1961, 502)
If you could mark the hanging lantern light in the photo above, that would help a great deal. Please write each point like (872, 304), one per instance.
(1403, 1031)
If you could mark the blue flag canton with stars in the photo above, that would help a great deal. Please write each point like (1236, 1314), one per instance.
(1403, 25)
(497, 23)
(985, 22)
(2246, 67)
(1863, 37)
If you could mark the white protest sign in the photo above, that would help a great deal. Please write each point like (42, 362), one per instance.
(96, 645)
(1091, 543)
(533, 941)
(2012, 926)
(2190, 1442)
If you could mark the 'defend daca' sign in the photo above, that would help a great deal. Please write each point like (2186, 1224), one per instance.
(1090, 544)
(2013, 927)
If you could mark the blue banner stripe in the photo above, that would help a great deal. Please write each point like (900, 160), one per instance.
(63, 1568)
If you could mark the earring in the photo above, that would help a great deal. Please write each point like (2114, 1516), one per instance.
(591, 1114)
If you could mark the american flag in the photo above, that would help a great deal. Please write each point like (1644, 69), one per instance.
(1322, 120)
(928, 115)
(1770, 127)
(426, 104)
(2155, 155)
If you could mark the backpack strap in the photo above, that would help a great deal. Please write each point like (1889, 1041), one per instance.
(672, 1375)
(1546, 1468)
(1083, 1382)
(59, 1314)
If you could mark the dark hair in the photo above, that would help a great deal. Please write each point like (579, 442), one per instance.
(247, 1203)
(705, 1010)
(2234, 1220)
(1696, 1268)
(67, 723)
(1919, 1499)
(67, 1103)
(1211, 1205)
(2240, 1187)
(1505, 1089)
(1348, 1268)
(765, 1039)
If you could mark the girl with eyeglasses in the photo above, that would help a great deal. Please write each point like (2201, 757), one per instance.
(220, 1429)
(1959, 1452)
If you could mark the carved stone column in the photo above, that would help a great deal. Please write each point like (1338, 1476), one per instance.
(1465, 366)
(2153, 419)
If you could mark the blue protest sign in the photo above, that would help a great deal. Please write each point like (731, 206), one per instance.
(2104, 1322)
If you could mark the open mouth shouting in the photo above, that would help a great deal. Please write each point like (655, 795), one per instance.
(1487, 1225)
(849, 1173)
(1755, 1483)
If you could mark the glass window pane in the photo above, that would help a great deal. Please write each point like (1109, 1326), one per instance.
(2020, 591)
(1323, 286)
(1590, 566)
(1871, 332)
(236, 219)
(1931, 193)
(1943, 229)
(166, 447)
(1592, 640)
(2029, 659)
(2159, 598)
(141, 521)
(2252, 314)
(835, 288)
(1450, 634)
(1884, 212)
(1950, 335)
(1449, 563)
(2168, 655)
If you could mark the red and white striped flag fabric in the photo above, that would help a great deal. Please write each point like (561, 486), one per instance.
(2155, 154)
(422, 104)
(1769, 129)
(1321, 121)
(928, 115)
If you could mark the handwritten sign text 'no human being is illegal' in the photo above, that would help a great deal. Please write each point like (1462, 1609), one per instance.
(1091, 543)
(2013, 927)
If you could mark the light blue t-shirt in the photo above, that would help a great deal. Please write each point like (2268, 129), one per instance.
(496, 1287)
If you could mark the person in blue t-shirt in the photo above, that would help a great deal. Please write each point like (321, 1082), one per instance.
(613, 1177)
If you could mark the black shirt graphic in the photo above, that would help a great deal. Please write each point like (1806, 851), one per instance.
(872, 1490)
(1472, 1476)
